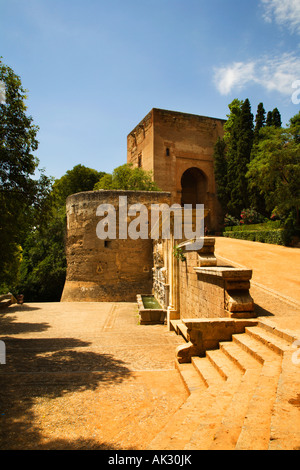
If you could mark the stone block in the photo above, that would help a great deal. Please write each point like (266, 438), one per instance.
(238, 301)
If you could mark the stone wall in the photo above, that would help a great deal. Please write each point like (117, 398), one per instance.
(211, 291)
(200, 296)
(112, 269)
(169, 144)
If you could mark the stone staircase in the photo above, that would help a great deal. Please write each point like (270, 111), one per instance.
(245, 395)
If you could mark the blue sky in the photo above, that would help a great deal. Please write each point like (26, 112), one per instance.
(95, 68)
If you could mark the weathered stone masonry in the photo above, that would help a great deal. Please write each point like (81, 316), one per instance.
(106, 270)
(178, 149)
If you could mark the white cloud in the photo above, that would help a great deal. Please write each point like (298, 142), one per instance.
(285, 12)
(234, 76)
(273, 74)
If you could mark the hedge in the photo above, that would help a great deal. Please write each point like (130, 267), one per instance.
(266, 226)
(275, 237)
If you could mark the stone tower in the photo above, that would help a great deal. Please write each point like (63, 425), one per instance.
(178, 149)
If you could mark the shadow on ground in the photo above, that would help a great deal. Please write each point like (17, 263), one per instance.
(43, 369)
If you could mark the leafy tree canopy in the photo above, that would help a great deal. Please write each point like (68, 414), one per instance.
(275, 169)
(20, 191)
(77, 180)
(43, 267)
(128, 178)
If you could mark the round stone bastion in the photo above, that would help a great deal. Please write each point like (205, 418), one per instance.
(111, 269)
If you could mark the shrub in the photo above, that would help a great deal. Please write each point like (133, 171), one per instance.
(230, 221)
(275, 237)
(251, 216)
(270, 225)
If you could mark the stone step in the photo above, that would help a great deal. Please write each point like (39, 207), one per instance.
(254, 347)
(239, 356)
(228, 432)
(183, 423)
(285, 429)
(241, 417)
(180, 427)
(223, 364)
(276, 344)
(238, 397)
(225, 379)
(284, 334)
(208, 373)
(191, 379)
(211, 414)
(180, 328)
(256, 430)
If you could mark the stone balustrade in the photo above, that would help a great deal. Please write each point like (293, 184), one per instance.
(212, 291)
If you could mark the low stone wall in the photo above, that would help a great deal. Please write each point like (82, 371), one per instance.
(211, 291)
(200, 296)
(204, 335)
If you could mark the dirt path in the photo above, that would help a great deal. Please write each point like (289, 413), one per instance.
(85, 376)
(275, 284)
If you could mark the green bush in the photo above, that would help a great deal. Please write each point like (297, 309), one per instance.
(270, 225)
(230, 221)
(251, 216)
(274, 237)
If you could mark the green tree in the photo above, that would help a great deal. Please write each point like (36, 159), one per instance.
(220, 169)
(128, 178)
(273, 118)
(231, 136)
(260, 120)
(239, 140)
(20, 191)
(77, 180)
(295, 127)
(269, 120)
(275, 170)
(256, 199)
(276, 118)
(43, 267)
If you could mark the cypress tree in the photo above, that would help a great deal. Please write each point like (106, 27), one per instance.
(276, 118)
(260, 120)
(220, 167)
(231, 137)
(255, 198)
(269, 119)
(240, 158)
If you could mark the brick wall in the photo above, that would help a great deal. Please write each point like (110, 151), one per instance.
(201, 296)
(169, 143)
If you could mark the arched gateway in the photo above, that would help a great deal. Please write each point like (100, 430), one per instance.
(178, 149)
(193, 187)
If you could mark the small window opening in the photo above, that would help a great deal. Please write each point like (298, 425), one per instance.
(167, 152)
(140, 161)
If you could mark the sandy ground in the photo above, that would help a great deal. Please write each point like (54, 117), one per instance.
(85, 376)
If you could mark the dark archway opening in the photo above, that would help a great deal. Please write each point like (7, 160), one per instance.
(193, 187)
